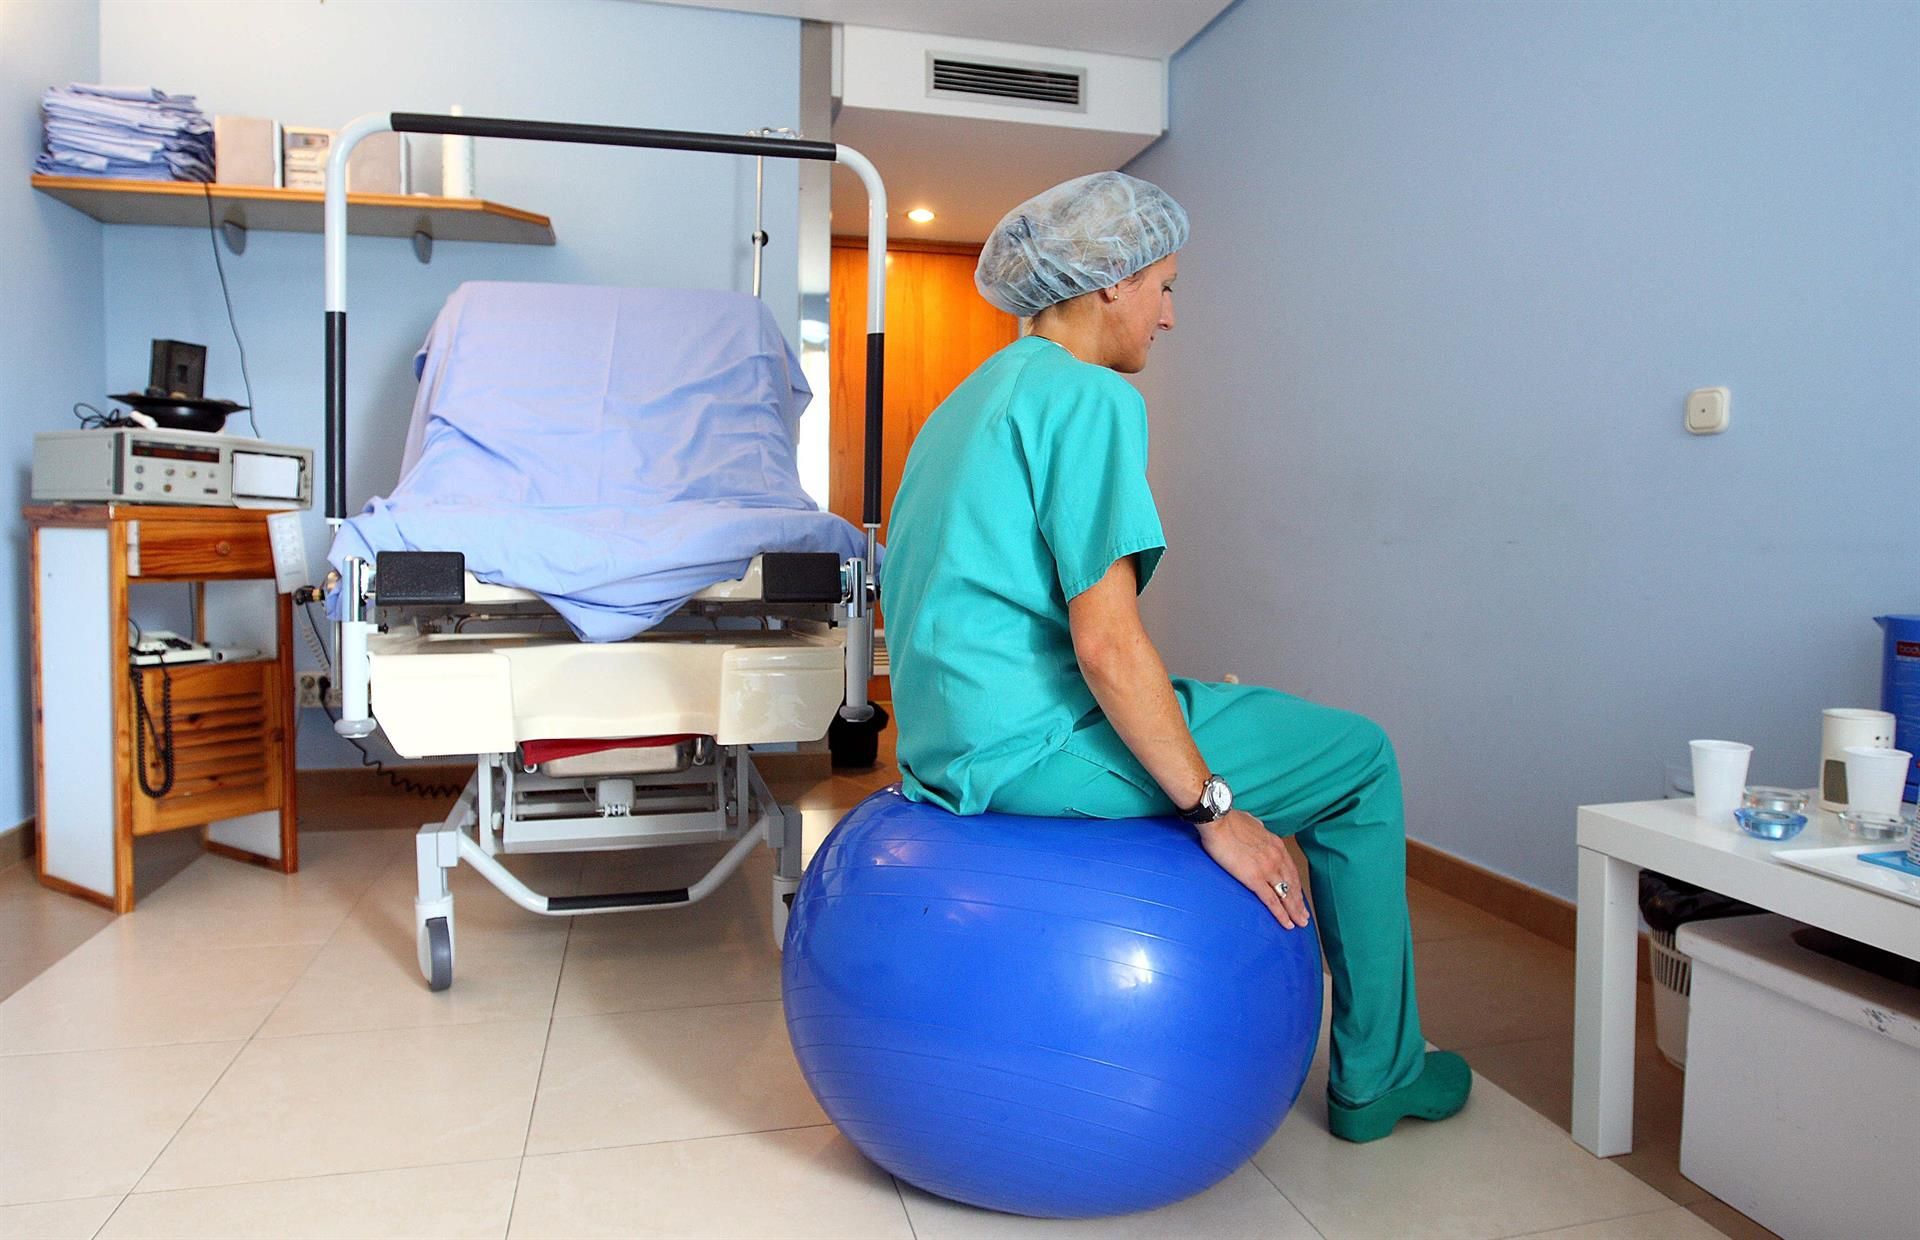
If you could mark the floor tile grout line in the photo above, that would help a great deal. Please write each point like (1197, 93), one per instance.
(442, 1026)
(292, 1179)
(128, 1046)
(208, 1092)
(540, 1073)
(1304, 1217)
(324, 944)
(318, 1175)
(42, 971)
(182, 1125)
(684, 1007)
(900, 1195)
(55, 1201)
(1592, 1222)
(95, 1234)
(712, 1136)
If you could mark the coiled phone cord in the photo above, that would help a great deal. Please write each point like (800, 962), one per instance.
(144, 723)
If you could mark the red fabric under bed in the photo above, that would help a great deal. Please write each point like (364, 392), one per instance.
(533, 753)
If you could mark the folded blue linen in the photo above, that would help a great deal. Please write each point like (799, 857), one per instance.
(614, 450)
(115, 131)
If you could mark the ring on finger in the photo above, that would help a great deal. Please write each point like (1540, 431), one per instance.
(1282, 888)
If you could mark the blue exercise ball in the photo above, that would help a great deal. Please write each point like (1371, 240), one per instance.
(1054, 1017)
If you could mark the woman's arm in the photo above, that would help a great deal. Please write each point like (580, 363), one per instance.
(1130, 681)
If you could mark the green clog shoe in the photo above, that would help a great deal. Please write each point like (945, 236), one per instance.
(1440, 1091)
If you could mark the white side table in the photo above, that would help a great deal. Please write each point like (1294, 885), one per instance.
(1618, 841)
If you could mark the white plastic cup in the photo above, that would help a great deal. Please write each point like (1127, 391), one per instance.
(1839, 728)
(1719, 777)
(1876, 778)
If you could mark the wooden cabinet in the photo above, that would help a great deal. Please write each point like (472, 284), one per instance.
(122, 752)
(220, 720)
(213, 548)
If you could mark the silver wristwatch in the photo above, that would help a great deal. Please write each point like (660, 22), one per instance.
(1215, 800)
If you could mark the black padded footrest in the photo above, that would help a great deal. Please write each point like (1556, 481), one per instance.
(621, 899)
(420, 578)
(800, 577)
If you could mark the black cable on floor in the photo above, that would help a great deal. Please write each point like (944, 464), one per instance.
(401, 782)
(413, 787)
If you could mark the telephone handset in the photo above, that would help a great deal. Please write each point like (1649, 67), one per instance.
(153, 647)
(161, 649)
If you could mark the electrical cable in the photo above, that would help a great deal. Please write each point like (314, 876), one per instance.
(213, 239)
(412, 786)
(399, 781)
(316, 642)
(95, 419)
(144, 724)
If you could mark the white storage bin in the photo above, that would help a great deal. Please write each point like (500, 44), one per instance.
(1672, 983)
(1803, 1084)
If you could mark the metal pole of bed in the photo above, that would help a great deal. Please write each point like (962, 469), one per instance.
(350, 651)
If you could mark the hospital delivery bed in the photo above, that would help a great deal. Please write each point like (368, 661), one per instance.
(578, 745)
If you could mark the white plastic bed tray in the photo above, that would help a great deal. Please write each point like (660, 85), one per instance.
(437, 694)
(443, 688)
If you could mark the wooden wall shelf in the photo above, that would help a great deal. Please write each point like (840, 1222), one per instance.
(183, 204)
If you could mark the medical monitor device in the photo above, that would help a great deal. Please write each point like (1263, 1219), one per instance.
(136, 466)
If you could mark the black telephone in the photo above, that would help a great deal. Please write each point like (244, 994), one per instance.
(157, 649)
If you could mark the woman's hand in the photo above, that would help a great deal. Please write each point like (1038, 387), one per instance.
(1256, 857)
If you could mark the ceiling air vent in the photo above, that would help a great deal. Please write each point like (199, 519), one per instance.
(1006, 81)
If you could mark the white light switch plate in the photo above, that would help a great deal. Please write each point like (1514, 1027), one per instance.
(1709, 410)
(289, 545)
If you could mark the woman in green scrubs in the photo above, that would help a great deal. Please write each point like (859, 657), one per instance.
(1024, 682)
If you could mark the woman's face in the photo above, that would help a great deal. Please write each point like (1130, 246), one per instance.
(1142, 310)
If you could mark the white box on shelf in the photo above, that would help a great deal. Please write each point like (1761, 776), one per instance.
(304, 162)
(246, 150)
(379, 164)
(1803, 1075)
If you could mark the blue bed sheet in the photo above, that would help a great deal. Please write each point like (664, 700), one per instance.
(614, 450)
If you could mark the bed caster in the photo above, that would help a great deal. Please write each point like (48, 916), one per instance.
(783, 893)
(435, 948)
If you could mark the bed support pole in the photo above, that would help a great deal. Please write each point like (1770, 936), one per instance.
(860, 597)
(355, 621)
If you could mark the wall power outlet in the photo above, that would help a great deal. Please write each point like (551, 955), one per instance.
(306, 691)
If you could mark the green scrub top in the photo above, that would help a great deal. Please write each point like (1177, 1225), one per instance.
(1021, 491)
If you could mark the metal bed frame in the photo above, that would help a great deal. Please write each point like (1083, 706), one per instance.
(695, 790)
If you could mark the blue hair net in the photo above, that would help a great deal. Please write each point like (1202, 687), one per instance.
(1082, 235)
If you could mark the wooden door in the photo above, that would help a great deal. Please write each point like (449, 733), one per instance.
(939, 329)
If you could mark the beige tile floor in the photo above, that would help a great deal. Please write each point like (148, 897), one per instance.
(250, 1054)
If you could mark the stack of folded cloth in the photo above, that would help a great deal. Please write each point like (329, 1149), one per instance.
(124, 131)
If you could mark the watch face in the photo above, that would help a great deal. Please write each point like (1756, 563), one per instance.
(1216, 796)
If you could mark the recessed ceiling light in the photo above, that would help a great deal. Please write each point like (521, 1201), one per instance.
(920, 215)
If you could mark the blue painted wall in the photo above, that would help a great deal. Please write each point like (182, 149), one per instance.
(1418, 432)
(622, 217)
(50, 317)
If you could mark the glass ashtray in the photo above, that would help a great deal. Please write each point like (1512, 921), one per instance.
(1769, 824)
(1780, 800)
(1865, 826)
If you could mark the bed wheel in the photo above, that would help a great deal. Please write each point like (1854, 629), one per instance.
(436, 953)
(783, 893)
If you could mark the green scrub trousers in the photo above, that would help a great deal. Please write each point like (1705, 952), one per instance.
(1328, 779)
(1021, 491)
